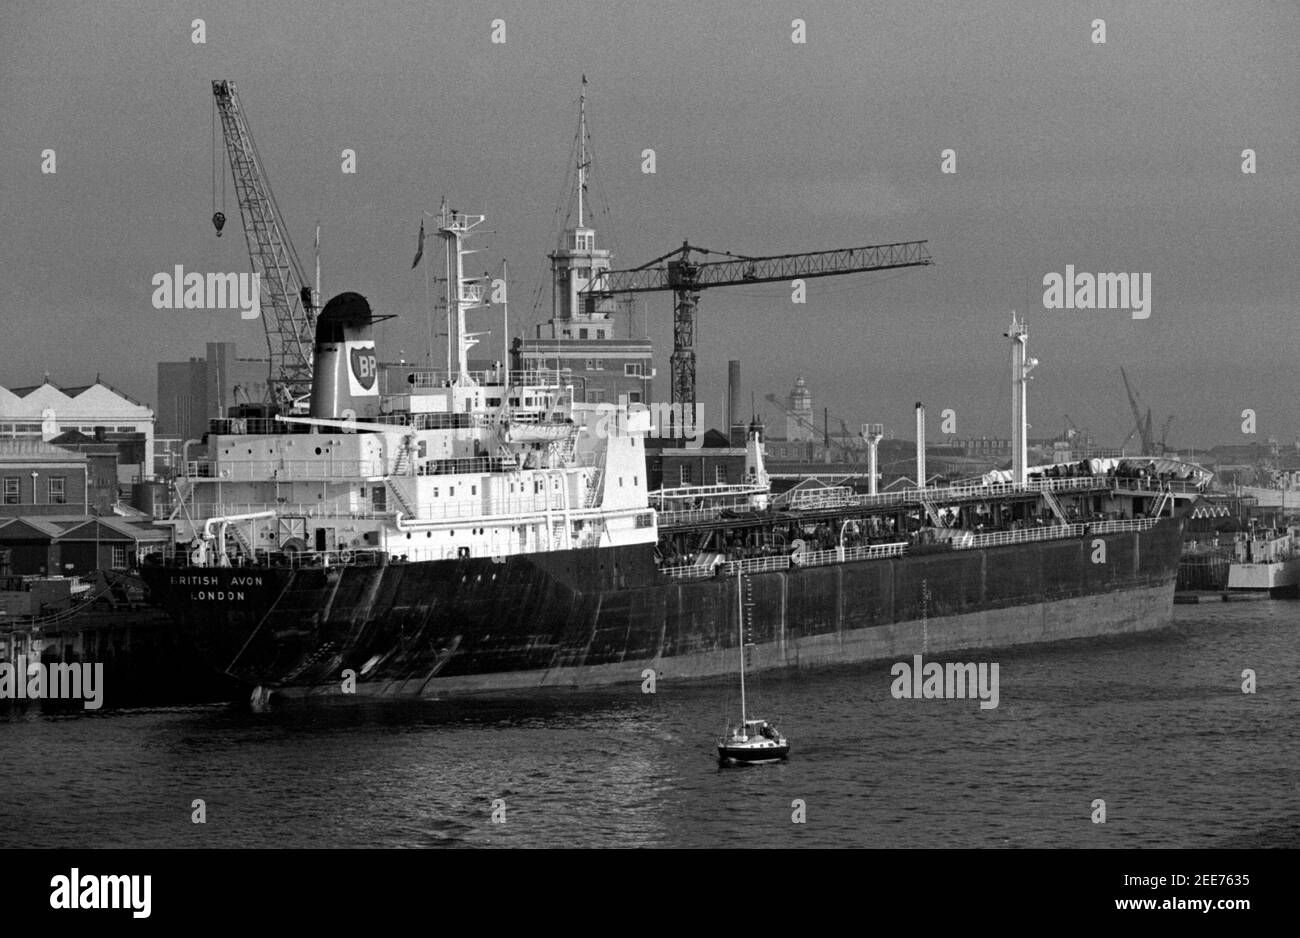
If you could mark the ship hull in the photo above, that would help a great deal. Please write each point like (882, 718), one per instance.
(1277, 579)
(606, 616)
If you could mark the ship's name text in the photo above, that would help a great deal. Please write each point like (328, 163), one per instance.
(215, 581)
(233, 596)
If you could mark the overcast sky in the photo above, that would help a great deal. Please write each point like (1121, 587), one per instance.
(1122, 157)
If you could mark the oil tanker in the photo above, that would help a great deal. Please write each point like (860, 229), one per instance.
(486, 531)
(493, 530)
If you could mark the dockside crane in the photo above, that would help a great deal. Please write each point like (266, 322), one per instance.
(1143, 424)
(288, 309)
(682, 272)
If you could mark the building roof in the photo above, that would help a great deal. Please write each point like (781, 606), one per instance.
(79, 528)
(37, 451)
(76, 391)
(84, 529)
(96, 401)
(72, 436)
(28, 527)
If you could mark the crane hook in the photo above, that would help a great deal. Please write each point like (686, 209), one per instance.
(219, 219)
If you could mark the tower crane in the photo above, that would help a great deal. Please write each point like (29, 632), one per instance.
(288, 310)
(686, 275)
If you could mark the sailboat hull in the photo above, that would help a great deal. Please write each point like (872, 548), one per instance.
(750, 753)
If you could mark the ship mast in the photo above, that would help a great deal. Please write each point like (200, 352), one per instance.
(1020, 368)
(463, 293)
(582, 148)
(740, 633)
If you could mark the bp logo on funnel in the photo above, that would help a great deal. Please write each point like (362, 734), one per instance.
(364, 368)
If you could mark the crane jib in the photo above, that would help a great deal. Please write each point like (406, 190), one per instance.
(685, 274)
(289, 311)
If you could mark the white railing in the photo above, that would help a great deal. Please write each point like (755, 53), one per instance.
(1021, 536)
(898, 549)
(755, 564)
(818, 558)
(180, 557)
(301, 470)
(1111, 527)
(1154, 485)
(691, 516)
(688, 571)
(739, 493)
(1055, 532)
(494, 377)
(204, 510)
(939, 497)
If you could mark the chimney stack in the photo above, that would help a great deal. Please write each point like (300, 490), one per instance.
(735, 420)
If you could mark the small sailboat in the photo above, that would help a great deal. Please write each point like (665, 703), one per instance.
(753, 740)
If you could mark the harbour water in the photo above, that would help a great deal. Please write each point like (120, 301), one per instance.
(1155, 725)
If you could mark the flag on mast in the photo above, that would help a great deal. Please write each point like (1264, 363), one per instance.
(419, 252)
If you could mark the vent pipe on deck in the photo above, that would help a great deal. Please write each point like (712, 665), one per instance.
(920, 445)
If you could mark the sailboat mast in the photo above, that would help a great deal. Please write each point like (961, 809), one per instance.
(740, 628)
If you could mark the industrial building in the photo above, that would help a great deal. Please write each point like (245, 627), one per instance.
(45, 411)
(72, 545)
(37, 478)
(192, 392)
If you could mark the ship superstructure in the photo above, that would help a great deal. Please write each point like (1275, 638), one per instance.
(460, 464)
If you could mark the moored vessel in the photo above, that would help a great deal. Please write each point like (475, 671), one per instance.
(749, 741)
(486, 530)
(1266, 561)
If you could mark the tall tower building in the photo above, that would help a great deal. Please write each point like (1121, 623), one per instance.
(799, 423)
(587, 335)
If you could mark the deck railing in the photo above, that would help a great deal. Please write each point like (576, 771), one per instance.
(879, 551)
(943, 496)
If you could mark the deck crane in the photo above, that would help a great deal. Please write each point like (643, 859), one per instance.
(685, 275)
(288, 310)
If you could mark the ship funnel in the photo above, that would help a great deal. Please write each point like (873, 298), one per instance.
(345, 376)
